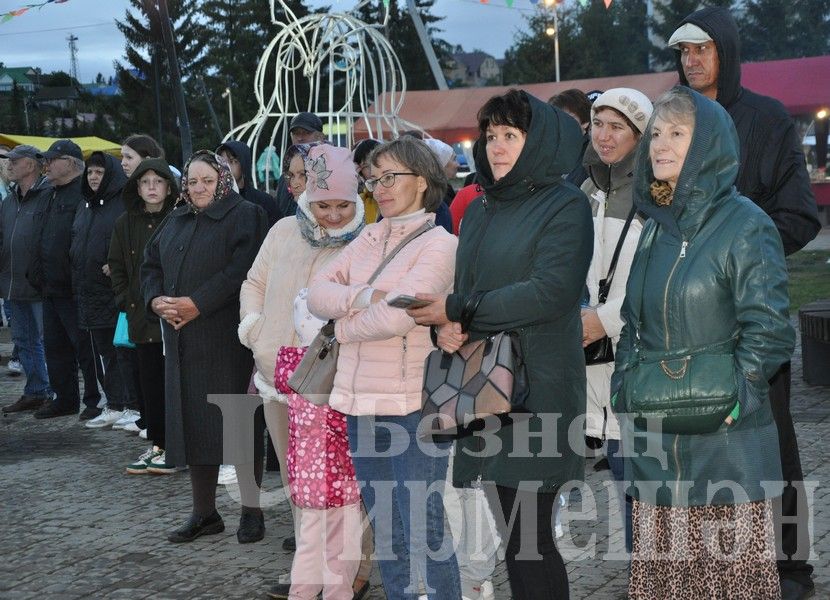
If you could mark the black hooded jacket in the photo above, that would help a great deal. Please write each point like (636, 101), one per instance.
(249, 192)
(51, 272)
(773, 173)
(91, 233)
(132, 232)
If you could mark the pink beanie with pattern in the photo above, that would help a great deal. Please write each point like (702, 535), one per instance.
(331, 174)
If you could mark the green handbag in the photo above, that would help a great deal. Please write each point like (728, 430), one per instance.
(690, 392)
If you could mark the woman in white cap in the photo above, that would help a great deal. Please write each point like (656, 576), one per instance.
(618, 119)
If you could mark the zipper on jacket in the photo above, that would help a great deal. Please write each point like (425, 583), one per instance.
(11, 249)
(682, 254)
(403, 363)
(677, 468)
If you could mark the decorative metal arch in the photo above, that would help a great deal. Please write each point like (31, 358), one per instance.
(347, 63)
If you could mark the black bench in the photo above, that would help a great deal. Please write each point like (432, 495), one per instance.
(814, 319)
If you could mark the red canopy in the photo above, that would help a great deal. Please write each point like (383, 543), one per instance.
(801, 84)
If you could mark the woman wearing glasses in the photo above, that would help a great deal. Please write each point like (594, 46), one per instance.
(381, 365)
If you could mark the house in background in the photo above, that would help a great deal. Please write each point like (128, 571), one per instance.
(473, 69)
(59, 97)
(26, 78)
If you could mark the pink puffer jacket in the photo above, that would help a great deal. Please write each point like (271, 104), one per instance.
(382, 352)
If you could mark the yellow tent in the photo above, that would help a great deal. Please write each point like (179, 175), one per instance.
(88, 144)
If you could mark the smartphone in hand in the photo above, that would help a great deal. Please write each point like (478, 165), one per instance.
(404, 301)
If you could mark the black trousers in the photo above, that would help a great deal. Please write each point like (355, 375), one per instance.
(793, 538)
(150, 359)
(113, 383)
(536, 571)
(128, 364)
(67, 348)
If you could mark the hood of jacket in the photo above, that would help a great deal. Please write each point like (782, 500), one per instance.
(721, 27)
(552, 149)
(111, 185)
(707, 178)
(132, 200)
(243, 154)
(610, 177)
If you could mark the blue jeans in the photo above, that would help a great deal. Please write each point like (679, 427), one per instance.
(27, 334)
(617, 464)
(410, 542)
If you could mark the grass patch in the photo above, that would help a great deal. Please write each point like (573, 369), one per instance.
(809, 278)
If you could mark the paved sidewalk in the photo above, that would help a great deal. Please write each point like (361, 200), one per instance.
(73, 525)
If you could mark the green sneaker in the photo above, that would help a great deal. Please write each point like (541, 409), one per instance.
(158, 465)
(139, 467)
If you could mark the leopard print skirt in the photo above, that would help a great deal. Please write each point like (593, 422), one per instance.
(704, 552)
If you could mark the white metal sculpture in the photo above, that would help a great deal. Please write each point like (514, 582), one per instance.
(347, 64)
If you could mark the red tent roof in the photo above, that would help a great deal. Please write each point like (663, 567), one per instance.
(450, 114)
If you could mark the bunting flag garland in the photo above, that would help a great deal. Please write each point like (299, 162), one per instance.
(8, 16)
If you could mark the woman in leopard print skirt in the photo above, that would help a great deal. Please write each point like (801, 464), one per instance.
(707, 295)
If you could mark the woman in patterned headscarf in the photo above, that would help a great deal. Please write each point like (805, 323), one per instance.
(190, 279)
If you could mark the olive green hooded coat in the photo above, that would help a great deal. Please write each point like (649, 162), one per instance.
(708, 268)
(528, 242)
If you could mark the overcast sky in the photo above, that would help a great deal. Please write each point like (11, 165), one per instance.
(38, 37)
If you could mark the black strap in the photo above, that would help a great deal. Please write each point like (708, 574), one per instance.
(605, 284)
(421, 230)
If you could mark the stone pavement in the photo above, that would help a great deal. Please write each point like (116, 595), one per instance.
(75, 526)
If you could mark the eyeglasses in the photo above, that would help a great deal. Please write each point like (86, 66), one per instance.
(386, 181)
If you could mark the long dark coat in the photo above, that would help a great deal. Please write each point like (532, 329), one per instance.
(528, 243)
(205, 256)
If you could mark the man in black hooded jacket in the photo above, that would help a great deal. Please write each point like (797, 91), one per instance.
(238, 156)
(772, 174)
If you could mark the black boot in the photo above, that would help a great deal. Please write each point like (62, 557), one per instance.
(251, 526)
(197, 526)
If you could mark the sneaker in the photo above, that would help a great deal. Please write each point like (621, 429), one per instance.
(227, 475)
(139, 467)
(128, 416)
(158, 465)
(25, 403)
(89, 413)
(132, 428)
(14, 367)
(105, 419)
(143, 434)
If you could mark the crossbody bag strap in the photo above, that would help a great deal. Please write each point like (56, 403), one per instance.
(605, 284)
(421, 230)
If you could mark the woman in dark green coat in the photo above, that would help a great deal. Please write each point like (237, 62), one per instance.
(707, 325)
(527, 242)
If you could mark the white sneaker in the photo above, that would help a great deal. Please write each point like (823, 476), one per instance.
(143, 434)
(128, 416)
(105, 419)
(14, 367)
(227, 475)
(131, 427)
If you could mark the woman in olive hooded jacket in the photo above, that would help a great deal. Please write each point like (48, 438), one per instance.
(153, 181)
(708, 282)
(527, 243)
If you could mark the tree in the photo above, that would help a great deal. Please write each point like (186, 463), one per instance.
(801, 28)
(404, 39)
(666, 18)
(593, 42)
(144, 54)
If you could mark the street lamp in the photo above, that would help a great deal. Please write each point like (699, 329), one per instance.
(227, 94)
(554, 32)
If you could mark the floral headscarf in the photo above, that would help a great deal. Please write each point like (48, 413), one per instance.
(224, 185)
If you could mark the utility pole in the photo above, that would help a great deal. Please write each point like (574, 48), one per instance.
(73, 57)
(175, 80)
(437, 73)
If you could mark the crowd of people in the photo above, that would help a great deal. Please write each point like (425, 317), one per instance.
(635, 251)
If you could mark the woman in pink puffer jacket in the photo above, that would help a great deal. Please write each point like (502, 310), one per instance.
(381, 365)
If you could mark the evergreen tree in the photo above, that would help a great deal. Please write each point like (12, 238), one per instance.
(666, 18)
(401, 33)
(773, 30)
(136, 76)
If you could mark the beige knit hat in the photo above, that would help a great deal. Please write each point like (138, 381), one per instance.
(633, 104)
